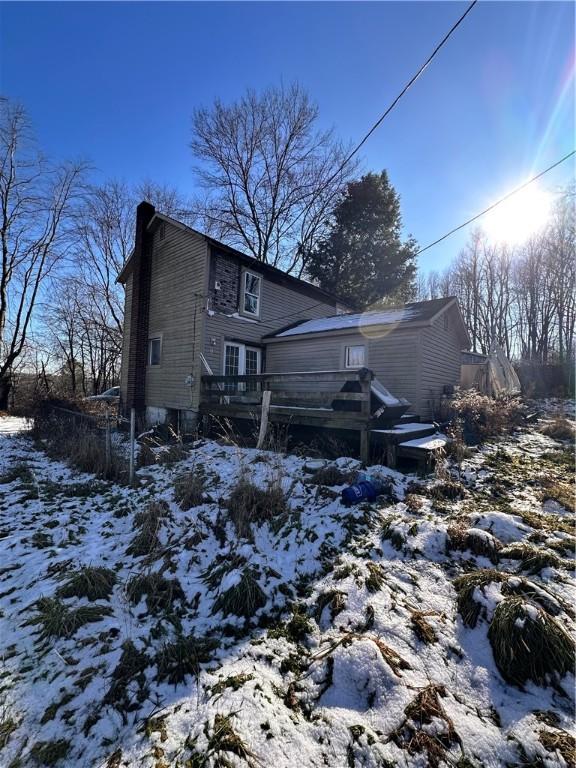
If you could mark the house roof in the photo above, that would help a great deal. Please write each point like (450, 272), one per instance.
(273, 273)
(413, 313)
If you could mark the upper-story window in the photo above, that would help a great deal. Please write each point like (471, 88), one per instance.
(251, 291)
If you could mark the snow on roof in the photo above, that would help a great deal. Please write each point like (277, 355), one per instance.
(359, 320)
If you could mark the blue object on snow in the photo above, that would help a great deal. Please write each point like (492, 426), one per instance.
(362, 491)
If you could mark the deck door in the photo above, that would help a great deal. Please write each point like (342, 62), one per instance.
(239, 360)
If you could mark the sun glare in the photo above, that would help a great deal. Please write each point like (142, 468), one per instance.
(520, 217)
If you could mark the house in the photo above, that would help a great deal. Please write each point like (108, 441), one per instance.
(197, 309)
(195, 306)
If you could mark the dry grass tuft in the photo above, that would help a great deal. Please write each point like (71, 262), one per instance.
(448, 490)
(375, 579)
(480, 416)
(160, 593)
(477, 541)
(93, 583)
(59, 621)
(189, 489)
(561, 742)
(50, 752)
(249, 504)
(130, 668)
(391, 657)
(559, 429)
(469, 607)
(413, 734)
(183, 657)
(243, 598)
(332, 475)
(148, 522)
(528, 644)
(423, 629)
(333, 598)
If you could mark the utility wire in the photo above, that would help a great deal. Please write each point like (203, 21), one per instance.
(389, 109)
(461, 226)
(408, 85)
(498, 202)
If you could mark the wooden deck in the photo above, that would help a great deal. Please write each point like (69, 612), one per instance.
(316, 399)
(300, 397)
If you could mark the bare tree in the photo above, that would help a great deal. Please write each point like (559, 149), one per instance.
(36, 202)
(269, 175)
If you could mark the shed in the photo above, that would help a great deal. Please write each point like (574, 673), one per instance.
(414, 349)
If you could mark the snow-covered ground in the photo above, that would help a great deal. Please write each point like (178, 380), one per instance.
(352, 651)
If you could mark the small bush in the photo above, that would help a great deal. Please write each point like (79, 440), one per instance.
(250, 504)
(243, 598)
(148, 522)
(59, 621)
(189, 489)
(160, 593)
(375, 579)
(480, 416)
(528, 644)
(183, 657)
(559, 429)
(92, 583)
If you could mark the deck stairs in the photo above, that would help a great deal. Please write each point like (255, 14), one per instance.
(410, 440)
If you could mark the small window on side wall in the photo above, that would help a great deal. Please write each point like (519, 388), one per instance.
(154, 350)
(355, 356)
(251, 286)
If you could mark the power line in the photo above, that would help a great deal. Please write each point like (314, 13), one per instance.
(389, 109)
(408, 85)
(498, 202)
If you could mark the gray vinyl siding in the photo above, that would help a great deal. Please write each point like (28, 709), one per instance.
(279, 306)
(395, 360)
(176, 314)
(325, 353)
(441, 358)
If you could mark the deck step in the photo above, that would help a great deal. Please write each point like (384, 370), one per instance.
(402, 432)
(409, 418)
(424, 444)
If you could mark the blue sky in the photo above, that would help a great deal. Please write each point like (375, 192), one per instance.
(117, 82)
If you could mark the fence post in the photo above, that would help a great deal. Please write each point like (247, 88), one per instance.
(132, 441)
(107, 438)
(266, 395)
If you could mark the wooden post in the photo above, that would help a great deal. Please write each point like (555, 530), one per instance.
(365, 377)
(107, 438)
(132, 441)
(266, 395)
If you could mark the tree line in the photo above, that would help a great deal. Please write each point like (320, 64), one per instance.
(520, 297)
(270, 183)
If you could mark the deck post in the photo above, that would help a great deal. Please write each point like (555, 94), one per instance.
(266, 395)
(365, 377)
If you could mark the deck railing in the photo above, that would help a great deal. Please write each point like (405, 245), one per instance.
(298, 397)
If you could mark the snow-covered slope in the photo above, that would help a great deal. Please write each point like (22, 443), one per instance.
(352, 650)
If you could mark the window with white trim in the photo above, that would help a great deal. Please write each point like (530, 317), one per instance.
(240, 360)
(154, 350)
(251, 288)
(355, 356)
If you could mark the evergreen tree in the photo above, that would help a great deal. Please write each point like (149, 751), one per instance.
(362, 258)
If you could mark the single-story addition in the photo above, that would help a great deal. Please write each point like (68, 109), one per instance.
(209, 330)
(414, 350)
